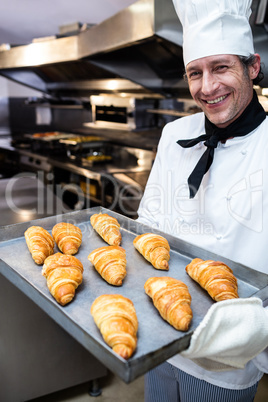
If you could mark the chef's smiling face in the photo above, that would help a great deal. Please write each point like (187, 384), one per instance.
(221, 87)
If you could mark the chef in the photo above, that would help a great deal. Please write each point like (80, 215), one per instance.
(209, 187)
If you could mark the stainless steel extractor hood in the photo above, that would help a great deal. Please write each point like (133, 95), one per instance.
(138, 49)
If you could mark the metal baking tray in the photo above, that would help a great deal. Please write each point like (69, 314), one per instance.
(157, 340)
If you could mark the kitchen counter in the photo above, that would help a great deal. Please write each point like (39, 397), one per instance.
(75, 164)
(144, 139)
(129, 169)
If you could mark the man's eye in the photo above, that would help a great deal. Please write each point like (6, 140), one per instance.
(193, 75)
(221, 68)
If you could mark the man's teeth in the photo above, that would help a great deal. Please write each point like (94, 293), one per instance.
(217, 100)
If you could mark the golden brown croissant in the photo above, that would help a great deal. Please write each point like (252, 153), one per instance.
(116, 318)
(107, 227)
(215, 277)
(172, 299)
(154, 248)
(68, 237)
(40, 243)
(64, 273)
(110, 262)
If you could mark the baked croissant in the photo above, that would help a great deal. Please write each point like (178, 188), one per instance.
(172, 299)
(110, 262)
(40, 243)
(64, 273)
(107, 227)
(68, 237)
(116, 318)
(154, 248)
(215, 277)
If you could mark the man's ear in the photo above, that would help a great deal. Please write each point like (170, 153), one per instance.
(255, 67)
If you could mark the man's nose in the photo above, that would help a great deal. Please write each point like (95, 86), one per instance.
(209, 83)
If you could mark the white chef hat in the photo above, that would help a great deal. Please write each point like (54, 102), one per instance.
(212, 27)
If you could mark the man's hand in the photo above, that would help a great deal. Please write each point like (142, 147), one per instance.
(231, 333)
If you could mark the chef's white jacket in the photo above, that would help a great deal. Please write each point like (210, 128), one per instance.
(229, 214)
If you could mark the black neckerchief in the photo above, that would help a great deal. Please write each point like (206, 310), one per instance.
(250, 119)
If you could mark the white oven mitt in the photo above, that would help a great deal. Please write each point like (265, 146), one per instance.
(231, 333)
